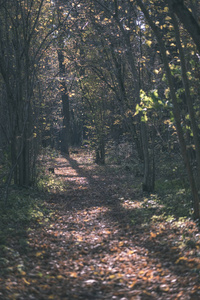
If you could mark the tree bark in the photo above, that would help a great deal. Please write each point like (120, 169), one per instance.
(65, 135)
(100, 152)
(148, 179)
(187, 19)
(176, 111)
(65, 104)
(188, 96)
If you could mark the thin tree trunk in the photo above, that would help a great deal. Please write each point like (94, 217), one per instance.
(176, 112)
(187, 19)
(14, 159)
(100, 152)
(187, 94)
(148, 180)
(65, 105)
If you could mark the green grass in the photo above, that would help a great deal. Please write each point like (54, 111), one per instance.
(175, 196)
(49, 182)
(171, 201)
(24, 207)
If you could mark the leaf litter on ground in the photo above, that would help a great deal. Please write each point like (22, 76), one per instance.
(100, 238)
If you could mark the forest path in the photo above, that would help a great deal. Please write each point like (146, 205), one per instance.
(98, 244)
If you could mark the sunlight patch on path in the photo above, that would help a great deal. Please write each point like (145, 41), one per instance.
(67, 171)
(71, 175)
(91, 253)
(130, 204)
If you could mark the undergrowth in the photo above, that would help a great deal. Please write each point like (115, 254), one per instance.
(25, 207)
(170, 202)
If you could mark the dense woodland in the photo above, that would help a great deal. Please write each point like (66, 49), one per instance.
(100, 73)
(116, 80)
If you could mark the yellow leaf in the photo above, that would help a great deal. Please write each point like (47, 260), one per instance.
(147, 293)
(26, 281)
(22, 272)
(149, 43)
(179, 259)
(131, 252)
(97, 273)
(133, 283)
(127, 28)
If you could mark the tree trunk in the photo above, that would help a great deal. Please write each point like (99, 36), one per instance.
(65, 105)
(14, 159)
(176, 112)
(187, 19)
(100, 152)
(188, 97)
(148, 180)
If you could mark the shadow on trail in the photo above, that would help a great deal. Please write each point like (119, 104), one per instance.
(105, 189)
(101, 182)
(98, 242)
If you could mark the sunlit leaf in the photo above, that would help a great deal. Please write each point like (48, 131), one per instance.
(73, 274)
(28, 283)
(183, 258)
(38, 254)
(153, 234)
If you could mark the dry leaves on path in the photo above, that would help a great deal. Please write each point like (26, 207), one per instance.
(94, 244)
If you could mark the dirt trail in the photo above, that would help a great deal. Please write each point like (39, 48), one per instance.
(91, 248)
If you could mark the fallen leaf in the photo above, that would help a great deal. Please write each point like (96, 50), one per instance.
(153, 234)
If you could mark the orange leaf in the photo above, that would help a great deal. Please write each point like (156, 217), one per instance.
(153, 235)
(73, 274)
(179, 259)
(133, 283)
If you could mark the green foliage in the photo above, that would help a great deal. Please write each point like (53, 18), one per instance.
(24, 207)
(49, 182)
(150, 103)
(171, 202)
(176, 197)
